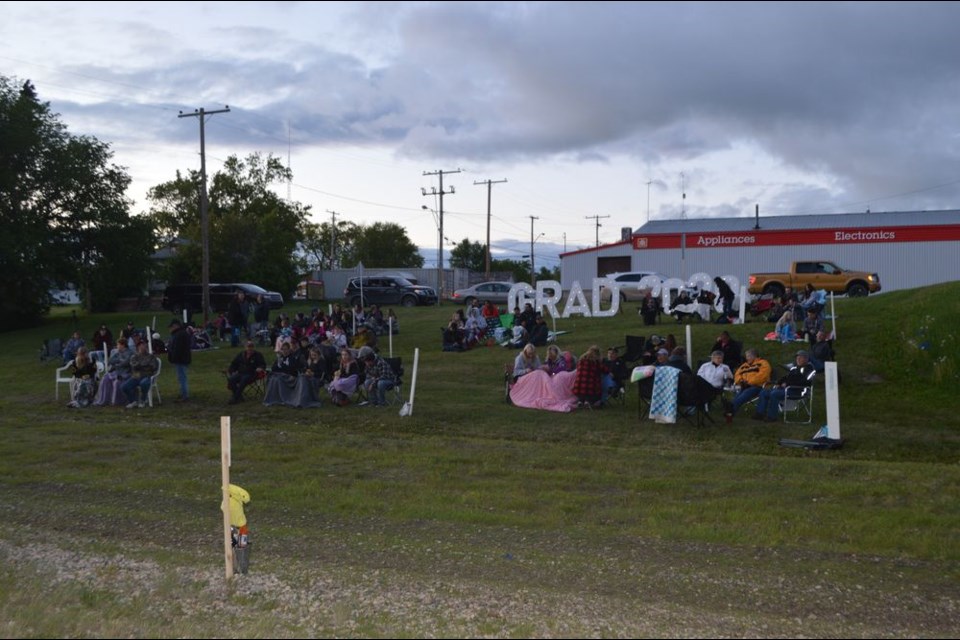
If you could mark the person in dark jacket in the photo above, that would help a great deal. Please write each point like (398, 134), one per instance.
(237, 312)
(246, 366)
(726, 295)
(180, 356)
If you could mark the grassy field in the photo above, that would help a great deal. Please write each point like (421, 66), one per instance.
(476, 518)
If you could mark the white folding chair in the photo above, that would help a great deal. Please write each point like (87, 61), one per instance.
(61, 378)
(154, 387)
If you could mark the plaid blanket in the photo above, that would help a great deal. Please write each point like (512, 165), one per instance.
(663, 404)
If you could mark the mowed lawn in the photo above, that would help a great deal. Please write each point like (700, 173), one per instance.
(469, 480)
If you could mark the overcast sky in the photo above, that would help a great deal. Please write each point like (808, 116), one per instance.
(586, 109)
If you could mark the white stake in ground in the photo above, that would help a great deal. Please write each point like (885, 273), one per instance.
(831, 386)
(833, 318)
(407, 408)
(743, 304)
(689, 347)
(390, 330)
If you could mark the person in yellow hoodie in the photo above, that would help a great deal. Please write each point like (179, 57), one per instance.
(238, 528)
(749, 378)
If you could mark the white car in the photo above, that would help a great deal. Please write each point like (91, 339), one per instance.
(628, 281)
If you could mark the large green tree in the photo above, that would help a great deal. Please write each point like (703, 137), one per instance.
(383, 244)
(63, 212)
(469, 255)
(325, 244)
(253, 232)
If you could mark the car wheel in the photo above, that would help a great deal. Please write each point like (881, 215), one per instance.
(857, 290)
(409, 301)
(623, 298)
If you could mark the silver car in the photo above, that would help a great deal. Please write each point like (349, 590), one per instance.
(495, 292)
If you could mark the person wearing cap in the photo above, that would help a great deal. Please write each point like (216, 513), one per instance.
(380, 377)
(800, 375)
(102, 340)
(180, 356)
(649, 309)
(749, 379)
(662, 356)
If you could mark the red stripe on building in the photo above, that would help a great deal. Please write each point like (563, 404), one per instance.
(761, 238)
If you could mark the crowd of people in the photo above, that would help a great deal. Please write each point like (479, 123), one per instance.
(336, 352)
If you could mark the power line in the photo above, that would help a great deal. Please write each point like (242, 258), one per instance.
(597, 220)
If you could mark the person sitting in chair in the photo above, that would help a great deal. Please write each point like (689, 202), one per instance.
(770, 398)
(716, 372)
(748, 381)
(616, 376)
(246, 366)
(143, 365)
(84, 385)
(730, 349)
(822, 351)
(380, 377)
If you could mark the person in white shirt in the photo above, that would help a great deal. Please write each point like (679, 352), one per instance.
(716, 372)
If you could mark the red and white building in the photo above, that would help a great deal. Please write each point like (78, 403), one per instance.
(907, 249)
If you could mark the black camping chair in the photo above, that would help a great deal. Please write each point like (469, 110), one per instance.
(693, 398)
(634, 349)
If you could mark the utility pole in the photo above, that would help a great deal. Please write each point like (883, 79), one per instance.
(597, 219)
(533, 272)
(433, 192)
(489, 195)
(649, 182)
(204, 223)
(333, 237)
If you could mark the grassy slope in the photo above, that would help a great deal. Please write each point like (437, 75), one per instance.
(365, 489)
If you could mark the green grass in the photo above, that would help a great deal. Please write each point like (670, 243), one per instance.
(466, 464)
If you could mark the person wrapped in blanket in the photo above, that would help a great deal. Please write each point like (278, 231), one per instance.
(588, 385)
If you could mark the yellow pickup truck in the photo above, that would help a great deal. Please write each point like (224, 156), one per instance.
(821, 274)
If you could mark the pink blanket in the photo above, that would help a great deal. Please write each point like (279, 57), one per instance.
(540, 390)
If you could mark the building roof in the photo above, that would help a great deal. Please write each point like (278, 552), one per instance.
(821, 221)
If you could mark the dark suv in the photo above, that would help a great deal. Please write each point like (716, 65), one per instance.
(178, 297)
(388, 290)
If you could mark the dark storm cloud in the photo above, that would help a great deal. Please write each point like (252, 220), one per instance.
(861, 92)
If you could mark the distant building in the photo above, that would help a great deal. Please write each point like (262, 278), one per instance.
(908, 249)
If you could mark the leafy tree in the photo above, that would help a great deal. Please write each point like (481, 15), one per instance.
(253, 232)
(64, 214)
(519, 268)
(469, 255)
(383, 244)
(324, 245)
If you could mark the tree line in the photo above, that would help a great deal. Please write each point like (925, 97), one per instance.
(66, 220)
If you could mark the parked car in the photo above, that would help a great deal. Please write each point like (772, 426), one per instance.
(383, 290)
(628, 281)
(495, 292)
(178, 297)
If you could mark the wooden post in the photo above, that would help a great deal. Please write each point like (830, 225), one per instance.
(225, 479)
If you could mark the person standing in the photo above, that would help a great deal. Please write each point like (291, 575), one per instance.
(180, 356)
(237, 312)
